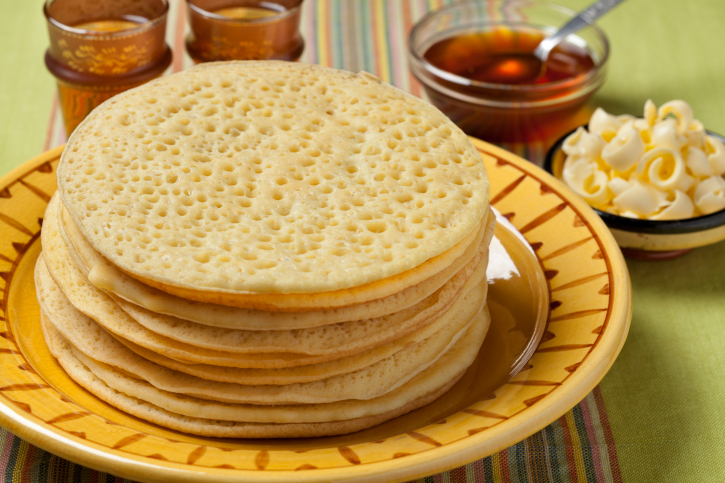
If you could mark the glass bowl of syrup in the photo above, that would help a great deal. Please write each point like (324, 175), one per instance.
(476, 63)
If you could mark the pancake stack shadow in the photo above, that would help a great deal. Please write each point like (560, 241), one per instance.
(296, 313)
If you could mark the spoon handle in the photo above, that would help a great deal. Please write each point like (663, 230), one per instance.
(585, 17)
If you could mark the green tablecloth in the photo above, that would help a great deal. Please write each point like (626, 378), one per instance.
(659, 413)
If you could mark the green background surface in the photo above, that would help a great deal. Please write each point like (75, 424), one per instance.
(665, 393)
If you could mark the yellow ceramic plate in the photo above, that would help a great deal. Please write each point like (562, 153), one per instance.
(582, 282)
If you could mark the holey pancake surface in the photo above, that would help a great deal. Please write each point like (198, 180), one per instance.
(270, 177)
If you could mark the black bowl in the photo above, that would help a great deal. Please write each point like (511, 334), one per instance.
(651, 239)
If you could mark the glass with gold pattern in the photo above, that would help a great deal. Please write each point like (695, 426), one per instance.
(244, 30)
(99, 48)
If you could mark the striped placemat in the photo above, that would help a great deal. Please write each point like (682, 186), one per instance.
(371, 35)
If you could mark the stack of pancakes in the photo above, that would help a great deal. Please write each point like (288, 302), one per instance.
(266, 249)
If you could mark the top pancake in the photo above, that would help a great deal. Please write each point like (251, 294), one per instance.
(270, 177)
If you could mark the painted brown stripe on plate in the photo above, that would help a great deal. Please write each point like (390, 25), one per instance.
(572, 367)
(549, 274)
(604, 290)
(45, 167)
(158, 456)
(566, 249)
(19, 247)
(424, 439)
(349, 455)
(78, 434)
(400, 455)
(541, 219)
(306, 467)
(36, 191)
(15, 224)
(23, 387)
(565, 347)
(128, 440)
(473, 431)
(195, 455)
(531, 401)
(27, 367)
(261, 460)
(507, 190)
(485, 414)
(534, 382)
(68, 417)
(545, 189)
(24, 406)
(577, 315)
(579, 281)
(226, 467)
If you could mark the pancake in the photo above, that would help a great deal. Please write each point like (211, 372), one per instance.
(342, 338)
(450, 365)
(367, 383)
(86, 334)
(101, 308)
(62, 351)
(106, 276)
(273, 185)
(370, 381)
(227, 368)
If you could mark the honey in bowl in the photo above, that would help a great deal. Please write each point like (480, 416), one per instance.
(504, 56)
(503, 92)
(474, 60)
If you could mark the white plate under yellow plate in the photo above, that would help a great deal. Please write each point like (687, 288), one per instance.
(588, 317)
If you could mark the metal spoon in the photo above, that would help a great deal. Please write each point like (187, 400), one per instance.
(586, 17)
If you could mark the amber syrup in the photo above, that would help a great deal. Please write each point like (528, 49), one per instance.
(505, 56)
